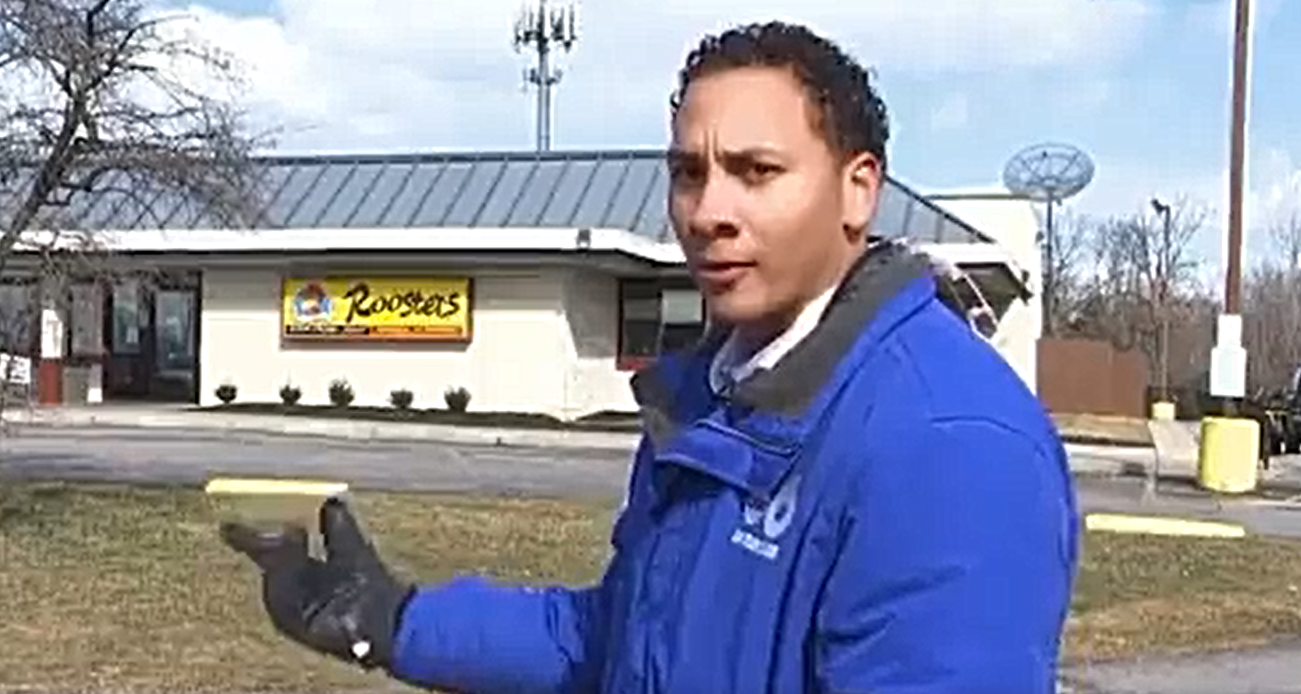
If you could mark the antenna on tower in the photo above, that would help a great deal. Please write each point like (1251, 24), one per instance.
(1049, 173)
(542, 29)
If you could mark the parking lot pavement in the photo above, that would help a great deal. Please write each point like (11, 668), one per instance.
(191, 457)
(1269, 670)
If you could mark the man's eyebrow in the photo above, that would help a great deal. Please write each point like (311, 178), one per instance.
(756, 152)
(677, 155)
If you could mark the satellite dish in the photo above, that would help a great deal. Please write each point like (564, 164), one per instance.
(1048, 173)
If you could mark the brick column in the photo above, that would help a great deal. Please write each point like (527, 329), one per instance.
(49, 365)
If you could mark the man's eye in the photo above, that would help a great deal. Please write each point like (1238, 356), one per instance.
(759, 172)
(685, 175)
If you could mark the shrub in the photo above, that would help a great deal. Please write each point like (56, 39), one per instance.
(226, 393)
(341, 393)
(401, 399)
(457, 399)
(290, 395)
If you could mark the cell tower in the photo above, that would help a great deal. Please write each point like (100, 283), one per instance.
(542, 29)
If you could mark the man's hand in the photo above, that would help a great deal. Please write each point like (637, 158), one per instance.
(347, 606)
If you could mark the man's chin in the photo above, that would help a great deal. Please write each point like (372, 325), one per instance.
(737, 312)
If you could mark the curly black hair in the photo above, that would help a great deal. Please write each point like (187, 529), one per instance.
(850, 113)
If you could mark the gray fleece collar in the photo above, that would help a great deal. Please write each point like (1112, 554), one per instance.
(791, 386)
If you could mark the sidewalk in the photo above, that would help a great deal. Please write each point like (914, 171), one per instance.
(180, 418)
(1273, 669)
(1094, 458)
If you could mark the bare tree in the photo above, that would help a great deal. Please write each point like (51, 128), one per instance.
(1272, 307)
(107, 97)
(1063, 277)
(1285, 240)
(1271, 323)
(110, 98)
(1140, 278)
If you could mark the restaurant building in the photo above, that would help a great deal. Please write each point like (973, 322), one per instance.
(536, 281)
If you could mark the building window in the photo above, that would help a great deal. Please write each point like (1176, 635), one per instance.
(657, 316)
(127, 317)
(18, 318)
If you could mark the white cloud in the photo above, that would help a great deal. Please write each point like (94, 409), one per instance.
(1277, 189)
(368, 74)
(952, 113)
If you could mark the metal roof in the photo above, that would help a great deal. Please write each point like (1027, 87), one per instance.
(623, 189)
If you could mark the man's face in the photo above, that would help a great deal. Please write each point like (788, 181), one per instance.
(767, 214)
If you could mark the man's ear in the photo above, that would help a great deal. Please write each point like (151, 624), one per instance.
(862, 186)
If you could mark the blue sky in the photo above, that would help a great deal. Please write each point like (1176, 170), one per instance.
(1142, 85)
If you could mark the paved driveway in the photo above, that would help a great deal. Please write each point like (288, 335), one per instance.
(1273, 670)
(177, 456)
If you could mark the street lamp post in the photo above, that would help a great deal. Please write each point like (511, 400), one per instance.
(1050, 273)
(1164, 269)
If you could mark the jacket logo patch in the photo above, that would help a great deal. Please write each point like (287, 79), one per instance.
(763, 525)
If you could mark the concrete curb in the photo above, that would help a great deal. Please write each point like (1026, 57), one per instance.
(339, 429)
(1103, 459)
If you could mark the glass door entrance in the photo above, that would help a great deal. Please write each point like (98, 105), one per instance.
(152, 335)
(175, 348)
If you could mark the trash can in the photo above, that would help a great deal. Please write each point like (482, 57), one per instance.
(1228, 454)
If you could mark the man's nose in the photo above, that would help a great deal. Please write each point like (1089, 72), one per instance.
(716, 209)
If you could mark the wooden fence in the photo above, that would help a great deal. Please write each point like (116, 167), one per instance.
(1091, 377)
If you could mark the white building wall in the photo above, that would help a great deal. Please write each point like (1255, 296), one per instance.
(594, 383)
(544, 341)
(1013, 224)
(1017, 339)
(518, 359)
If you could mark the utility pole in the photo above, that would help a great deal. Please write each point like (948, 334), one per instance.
(1237, 155)
(543, 29)
(1229, 358)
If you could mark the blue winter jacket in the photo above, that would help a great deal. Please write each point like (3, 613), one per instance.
(888, 511)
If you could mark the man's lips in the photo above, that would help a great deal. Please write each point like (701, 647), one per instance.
(722, 272)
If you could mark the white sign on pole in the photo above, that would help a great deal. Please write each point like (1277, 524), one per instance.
(1228, 359)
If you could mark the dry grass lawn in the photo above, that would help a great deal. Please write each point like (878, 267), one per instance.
(1142, 595)
(127, 589)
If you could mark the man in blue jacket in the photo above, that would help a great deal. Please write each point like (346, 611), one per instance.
(842, 489)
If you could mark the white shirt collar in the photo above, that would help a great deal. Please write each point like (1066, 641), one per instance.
(726, 369)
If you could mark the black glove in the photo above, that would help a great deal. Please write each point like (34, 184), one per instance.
(347, 606)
